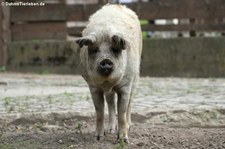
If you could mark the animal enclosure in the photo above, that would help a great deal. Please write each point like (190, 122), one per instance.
(38, 38)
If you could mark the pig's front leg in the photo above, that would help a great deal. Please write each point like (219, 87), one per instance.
(98, 99)
(122, 106)
(110, 98)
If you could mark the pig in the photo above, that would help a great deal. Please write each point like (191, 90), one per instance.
(110, 55)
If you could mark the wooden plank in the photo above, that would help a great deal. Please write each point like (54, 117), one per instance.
(168, 9)
(39, 31)
(49, 12)
(80, 12)
(75, 31)
(103, 2)
(75, 13)
(191, 27)
(159, 9)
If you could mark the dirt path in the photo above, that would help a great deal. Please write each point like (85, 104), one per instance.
(56, 111)
(60, 131)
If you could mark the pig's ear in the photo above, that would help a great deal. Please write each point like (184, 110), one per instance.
(85, 41)
(119, 41)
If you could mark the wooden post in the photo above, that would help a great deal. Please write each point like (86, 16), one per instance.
(4, 33)
(1, 37)
(192, 33)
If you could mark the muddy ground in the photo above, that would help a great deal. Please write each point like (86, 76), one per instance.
(56, 111)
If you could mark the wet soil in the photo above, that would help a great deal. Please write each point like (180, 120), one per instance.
(56, 111)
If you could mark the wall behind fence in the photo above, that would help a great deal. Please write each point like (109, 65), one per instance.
(193, 57)
(184, 57)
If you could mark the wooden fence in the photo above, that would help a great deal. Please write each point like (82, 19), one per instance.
(50, 22)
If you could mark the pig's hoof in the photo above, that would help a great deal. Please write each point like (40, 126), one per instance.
(99, 135)
(124, 140)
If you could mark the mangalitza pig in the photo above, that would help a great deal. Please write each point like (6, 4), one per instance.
(110, 53)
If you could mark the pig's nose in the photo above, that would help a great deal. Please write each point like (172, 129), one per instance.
(106, 67)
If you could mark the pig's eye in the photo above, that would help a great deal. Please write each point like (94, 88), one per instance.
(93, 50)
(115, 50)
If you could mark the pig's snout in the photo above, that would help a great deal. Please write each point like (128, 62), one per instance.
(106, 67)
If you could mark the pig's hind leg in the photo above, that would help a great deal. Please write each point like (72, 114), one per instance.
(133, 88)
(122, 106)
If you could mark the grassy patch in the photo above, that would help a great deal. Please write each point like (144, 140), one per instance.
(8, 104)
(2, 69)
(44, 72)
(78, 128)
(121, 145)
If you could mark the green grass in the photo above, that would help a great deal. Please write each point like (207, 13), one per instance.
(144, 22)
(2, 69)
(44, 72)
(121, 145)
(6, 101)
(78, 128)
